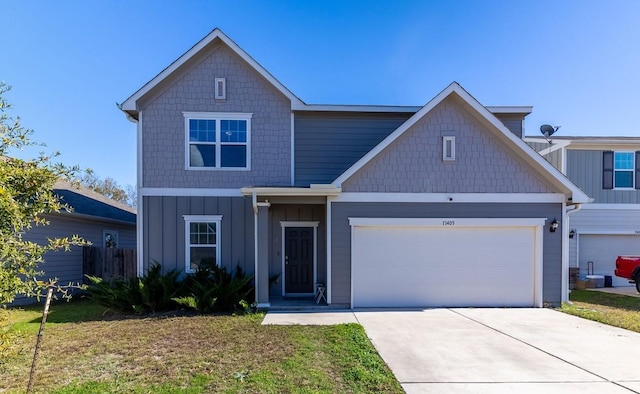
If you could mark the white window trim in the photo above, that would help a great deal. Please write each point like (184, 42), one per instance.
(104, 235)
(452, 142)
(188, 219)
(217, 116)
(220, 88)
(632, 171)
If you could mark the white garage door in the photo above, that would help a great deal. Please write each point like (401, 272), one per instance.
(603, 251)
(413, 266)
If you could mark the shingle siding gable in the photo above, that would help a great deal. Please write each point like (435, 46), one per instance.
(414, 164)
(163, 134)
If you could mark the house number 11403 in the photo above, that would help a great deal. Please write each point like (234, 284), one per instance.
(448, 223)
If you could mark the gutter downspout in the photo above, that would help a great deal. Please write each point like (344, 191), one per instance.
(565, 253)
(254, 198)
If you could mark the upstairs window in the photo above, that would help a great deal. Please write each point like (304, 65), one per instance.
(623, 168)
(218, 140)
(620, 170)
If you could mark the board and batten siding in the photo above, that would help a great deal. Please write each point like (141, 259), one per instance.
(602, 221)
(341, 236)
(328, 143)
(67, 266)
(164, 235)
(584, 168)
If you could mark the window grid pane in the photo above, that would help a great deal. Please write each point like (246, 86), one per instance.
(623, 161)
(202, 130)
(202, 233)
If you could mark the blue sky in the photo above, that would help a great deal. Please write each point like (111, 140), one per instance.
(576, 62)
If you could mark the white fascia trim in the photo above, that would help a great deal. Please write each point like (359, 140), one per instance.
(451, 197)
(290, 191)
(612, 207)
(554, 147)
(398, 108)
(564, 288)
(356, 108)
(140, 200)
(577, 195)
(130, 103)
(447, 222)
(508, 109)
(188, 192)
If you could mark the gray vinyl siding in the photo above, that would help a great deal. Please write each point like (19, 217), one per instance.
(584, 168)
(192, 90)
(67, 266)
(413, 162)
(554, 158)
(164, 235)
(298, 212)
(327, 144)
(341, 236)
(513, 122)
(602, 221)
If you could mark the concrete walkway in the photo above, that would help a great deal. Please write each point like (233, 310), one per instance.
(495, 350)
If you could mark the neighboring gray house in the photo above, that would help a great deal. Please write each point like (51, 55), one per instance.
(439, 205)
(608, 170)
(96, 218)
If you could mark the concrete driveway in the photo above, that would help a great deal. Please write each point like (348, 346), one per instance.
(503, 351)
(497, 350)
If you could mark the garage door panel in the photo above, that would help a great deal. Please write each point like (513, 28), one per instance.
(603, 250)
(425, 266)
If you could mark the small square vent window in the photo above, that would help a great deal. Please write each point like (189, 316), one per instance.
(448, 148)
(221, 89)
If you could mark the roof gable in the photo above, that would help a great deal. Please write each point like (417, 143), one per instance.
(493, 125)
(130, 105)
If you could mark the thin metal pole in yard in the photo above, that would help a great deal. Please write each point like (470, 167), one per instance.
(40, 334)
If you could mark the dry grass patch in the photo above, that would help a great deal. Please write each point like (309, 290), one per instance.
(190, 354)
(613, 309)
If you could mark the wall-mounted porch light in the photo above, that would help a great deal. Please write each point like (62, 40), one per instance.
(554, 225)
(572, 233)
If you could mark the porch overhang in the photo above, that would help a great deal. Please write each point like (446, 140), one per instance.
(313, 190)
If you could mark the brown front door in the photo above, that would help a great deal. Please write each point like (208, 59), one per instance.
(298, 260)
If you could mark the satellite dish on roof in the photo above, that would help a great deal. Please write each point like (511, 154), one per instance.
(548, 130)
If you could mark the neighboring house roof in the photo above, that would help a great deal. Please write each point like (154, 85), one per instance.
(89, 203)
(588, 142)
(547, 171)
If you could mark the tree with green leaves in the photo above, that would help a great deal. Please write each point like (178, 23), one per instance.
(26, 197)
(109, 187)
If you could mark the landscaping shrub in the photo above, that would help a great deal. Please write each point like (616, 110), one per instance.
(153, 292)
(209, 289)
(213, 289)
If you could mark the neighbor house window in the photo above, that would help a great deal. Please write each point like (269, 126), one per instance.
(623, 168)
(110, 239)
(620, 170)
(218, 140)
(202, 246)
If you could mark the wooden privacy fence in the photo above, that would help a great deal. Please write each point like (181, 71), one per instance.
(108, 262)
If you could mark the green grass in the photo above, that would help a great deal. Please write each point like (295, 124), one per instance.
(87, 351)
(613, 309)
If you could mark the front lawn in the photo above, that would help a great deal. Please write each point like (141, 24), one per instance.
(86, 352)
(613, 309)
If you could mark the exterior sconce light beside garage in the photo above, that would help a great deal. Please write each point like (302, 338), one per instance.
(554, 225)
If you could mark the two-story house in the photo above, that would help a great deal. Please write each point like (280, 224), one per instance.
(437, 205)
(608, 170)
